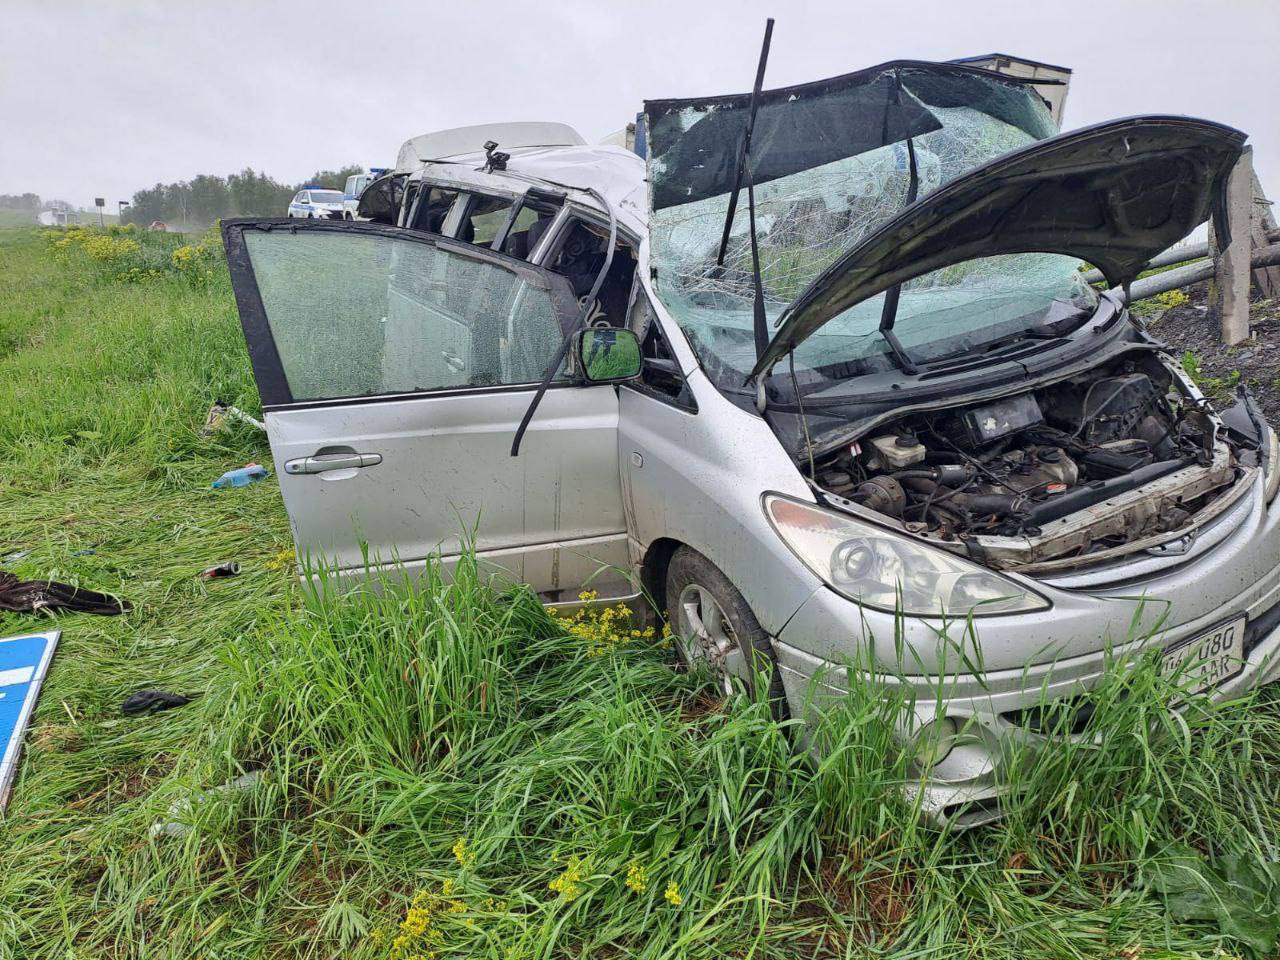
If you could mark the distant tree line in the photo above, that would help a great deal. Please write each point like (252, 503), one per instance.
(194, 204)
(20, 201)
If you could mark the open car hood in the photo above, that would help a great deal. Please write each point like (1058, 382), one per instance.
(1115, 195)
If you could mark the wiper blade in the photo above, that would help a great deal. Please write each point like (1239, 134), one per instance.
(744, 148)
(997, 348)
(759, 322)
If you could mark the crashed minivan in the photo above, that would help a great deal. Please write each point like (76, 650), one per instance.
(911, 420)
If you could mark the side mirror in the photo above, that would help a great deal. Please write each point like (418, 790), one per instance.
(607, 355)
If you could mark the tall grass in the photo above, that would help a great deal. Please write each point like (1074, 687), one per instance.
(447, 772)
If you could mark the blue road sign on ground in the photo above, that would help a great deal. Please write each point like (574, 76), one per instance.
(24, 661)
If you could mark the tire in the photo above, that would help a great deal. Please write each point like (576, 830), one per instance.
(310, 217)
(729, 646)
(347, 216)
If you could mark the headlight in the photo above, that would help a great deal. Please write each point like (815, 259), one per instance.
(889, 572)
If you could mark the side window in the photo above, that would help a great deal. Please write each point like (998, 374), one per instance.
(484, 218)
(358, 314)
(579, 256)
(529, 226)
(433, 208)
(660, 374)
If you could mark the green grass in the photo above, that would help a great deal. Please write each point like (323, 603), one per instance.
(385, 729)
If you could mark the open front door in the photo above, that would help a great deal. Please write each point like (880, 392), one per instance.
(394, 367)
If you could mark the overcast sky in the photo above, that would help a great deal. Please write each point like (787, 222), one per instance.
(105, 97)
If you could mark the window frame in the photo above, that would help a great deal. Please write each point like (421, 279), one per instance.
(683, 400)
(451, 217)
(264, 356)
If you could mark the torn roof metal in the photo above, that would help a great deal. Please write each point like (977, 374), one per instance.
(693, 142)
(612, 172)
(461, 141)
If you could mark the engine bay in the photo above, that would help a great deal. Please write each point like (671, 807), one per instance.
(1067, 473)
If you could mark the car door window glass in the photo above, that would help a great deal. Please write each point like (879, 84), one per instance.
(355, 315)
(433, 208)
(484, 219)
(528, 227)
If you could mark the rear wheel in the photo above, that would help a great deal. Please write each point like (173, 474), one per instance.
(712, 623)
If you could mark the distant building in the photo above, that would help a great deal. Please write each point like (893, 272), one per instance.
(1053, 91)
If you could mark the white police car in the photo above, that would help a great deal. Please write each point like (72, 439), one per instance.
(316, 203)
(355, 186)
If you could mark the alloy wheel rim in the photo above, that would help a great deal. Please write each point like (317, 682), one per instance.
(707, 634)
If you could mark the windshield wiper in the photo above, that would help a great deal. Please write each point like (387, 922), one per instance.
(996, 348)
(759, 321)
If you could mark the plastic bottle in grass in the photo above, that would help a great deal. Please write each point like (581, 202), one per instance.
(241, 476)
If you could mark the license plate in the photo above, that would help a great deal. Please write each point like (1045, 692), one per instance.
(1206, 660)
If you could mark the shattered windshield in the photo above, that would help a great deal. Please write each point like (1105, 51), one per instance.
(819, 194)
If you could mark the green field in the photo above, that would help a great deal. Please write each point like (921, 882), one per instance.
(452, 773)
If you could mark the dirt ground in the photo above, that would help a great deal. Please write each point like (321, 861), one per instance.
(1217, 369)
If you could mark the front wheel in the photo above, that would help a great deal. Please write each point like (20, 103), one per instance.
(712, 623)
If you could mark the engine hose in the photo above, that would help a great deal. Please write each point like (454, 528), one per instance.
(947, 474)
(999, 504)
(1082, 497)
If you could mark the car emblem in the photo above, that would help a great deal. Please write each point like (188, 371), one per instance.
(1174, 548)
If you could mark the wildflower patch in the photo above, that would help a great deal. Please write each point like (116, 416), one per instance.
(604, 629)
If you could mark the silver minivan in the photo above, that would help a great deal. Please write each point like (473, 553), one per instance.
(874, 403)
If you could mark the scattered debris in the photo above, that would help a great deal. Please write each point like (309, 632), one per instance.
(239, 414)
(24, 661)
(152, 701)
(215, 421)
(218, 415)
(15, 556)
(240, 477)
(173, 826)
(32, 596)
(228, 569)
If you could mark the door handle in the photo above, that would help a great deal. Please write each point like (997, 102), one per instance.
(457, 363)
(332, 461)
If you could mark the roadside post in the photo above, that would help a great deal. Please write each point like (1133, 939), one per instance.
(1229, 292)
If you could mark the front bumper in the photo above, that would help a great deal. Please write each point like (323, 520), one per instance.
(1038, 656)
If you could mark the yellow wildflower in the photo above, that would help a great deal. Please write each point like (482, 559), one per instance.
(464, 855)
(567, 884)
(672, 893)
(637, 878)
